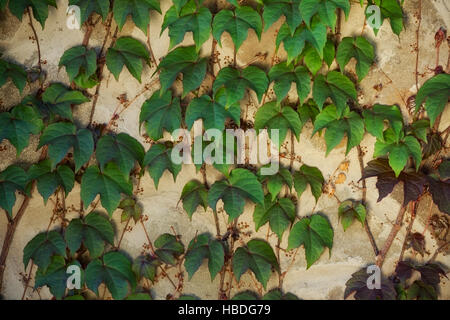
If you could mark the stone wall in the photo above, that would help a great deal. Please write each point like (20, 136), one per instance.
(326, 279)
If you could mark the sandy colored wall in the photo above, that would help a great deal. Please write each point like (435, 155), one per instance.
(351, 250)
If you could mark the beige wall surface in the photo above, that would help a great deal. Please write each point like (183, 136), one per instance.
(394, 69)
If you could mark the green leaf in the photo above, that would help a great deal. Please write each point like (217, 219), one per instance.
(168, 248)
(421, 291)
(145, 267)
(308, 175)
(158, 159)
(349, 124)
(137, 9)
(39, 7)
(130, 209)
(273, 116)
(213, 111)
(139, 296)
(358, 48)
(42, 247)
(14, 72)
(221, 152)
(312, 59)
(203, 247)
(276, 294)
(18, 125)
(77, 60)
(389, 9)
(59, 99)
(336, 86)
(435, 92)
(236, 81)
(246, 295)
(129, 52)
(349, 210)
(114, 269)
(191, 18)
(274, 9)
(55, 276)
(183, 60)
(161, 112)
(399, 148)
(314, 234)
(49, 180)
(87, 7)
(109, 183)
(374, 119)
(308, 111)
(93, 231)
(326, 10)
(257, 256)
(294, 43)
(194, 194)
(420, 129)
(11, 179)
(276, 181)
(122, 149)
(283, 75)
(329, 52)
(237, 23)
(240, 185)
(61, 137)
(280, 213)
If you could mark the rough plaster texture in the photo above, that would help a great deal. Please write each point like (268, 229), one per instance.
(351, 250)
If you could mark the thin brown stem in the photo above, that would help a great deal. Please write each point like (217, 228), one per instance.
(364, 200)
(417, 43)
(408, 230)
(150, 47)
(395, 228)
(36, 38)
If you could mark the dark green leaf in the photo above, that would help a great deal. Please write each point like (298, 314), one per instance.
(11, 179)
(183, 60)
(129, 52)
(161, 112)
(87, 7)
(308, 175)
(358, 48)
(114, 270)
(39, 7)
(17, 125)
(93, 231)
(257, 256)
(158, 159)
(284, 75)
(314, 234)
(349, 210)
(109, 183)
(240, 185)
(14, 72)
(435, 92)
(137, 9)
(78, 60)
(59, 99)
(122, 149)
(61, 137)
(237, 23)
(203, 247)
(42, 247)
(194, 194)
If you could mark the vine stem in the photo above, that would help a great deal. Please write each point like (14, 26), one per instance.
(387, 245)
(102, 66)
(408, 230)
(150, 47)
(152, 250)
(417, 43)
(38, 47)
(13, 223)
(364, 200)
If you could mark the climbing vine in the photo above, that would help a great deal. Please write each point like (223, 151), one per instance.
(108, 165)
